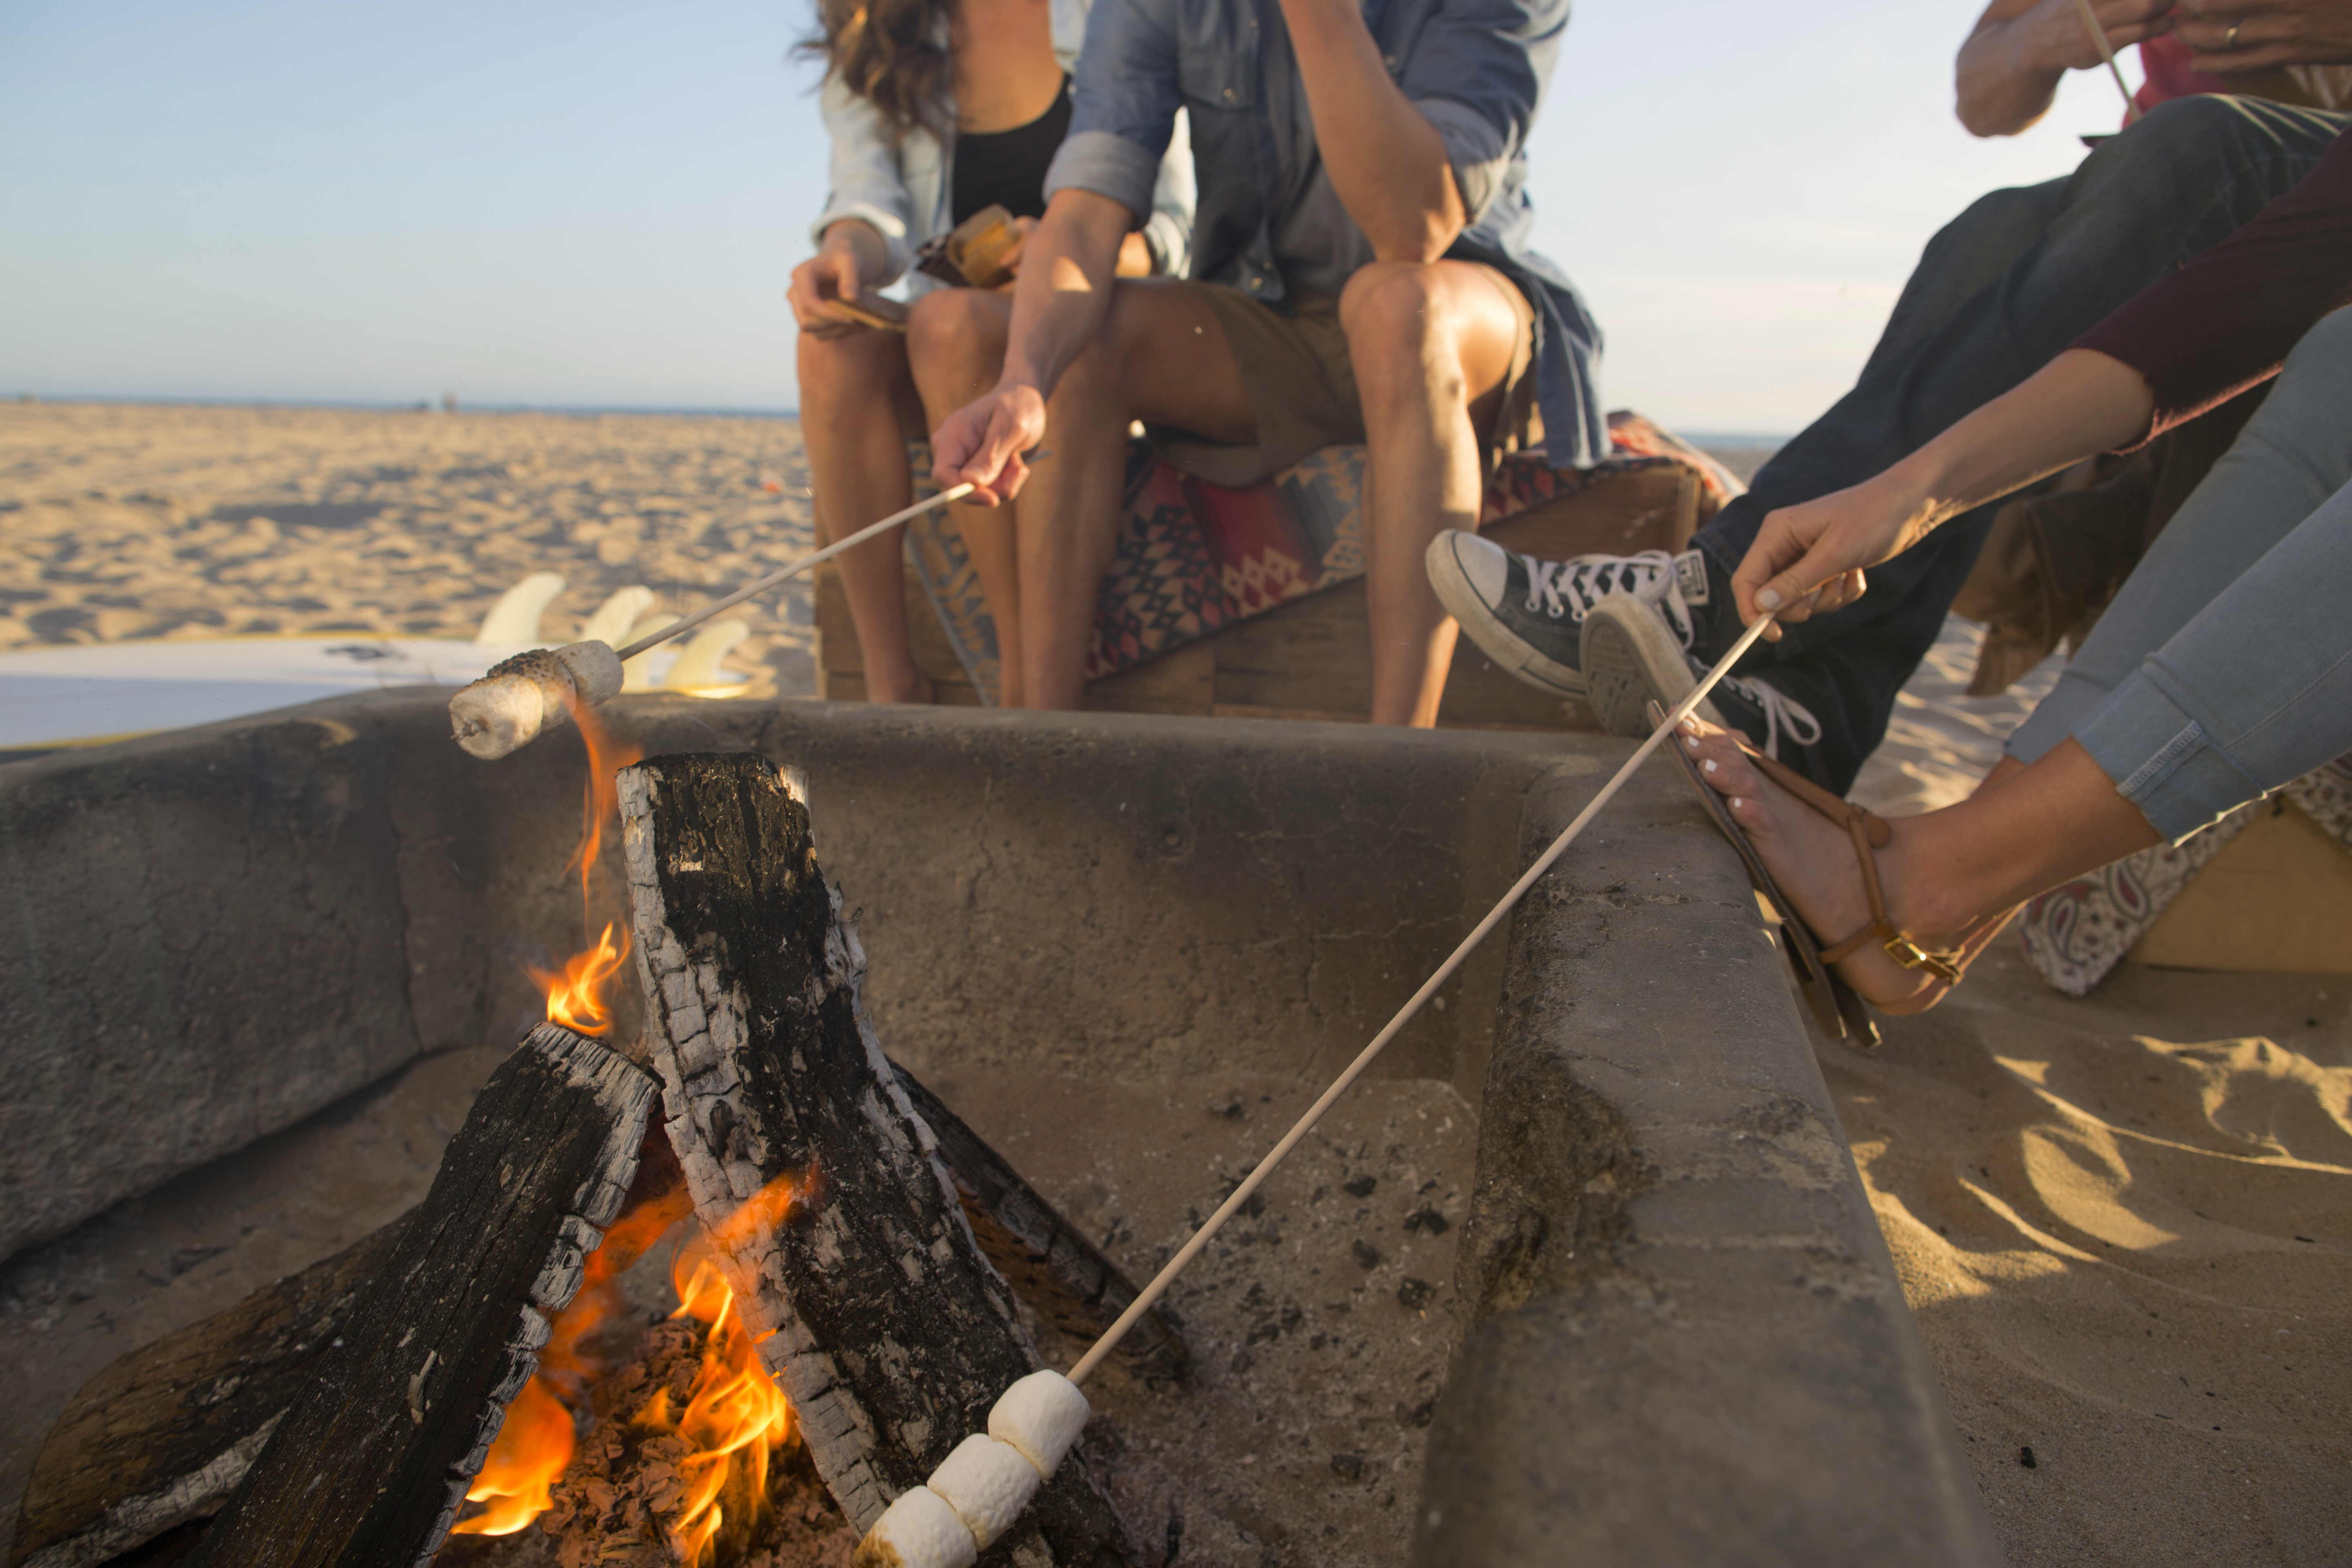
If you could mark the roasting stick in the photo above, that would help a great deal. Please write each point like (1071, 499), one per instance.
(980, 1488)
(2107, 53)
(506, 708)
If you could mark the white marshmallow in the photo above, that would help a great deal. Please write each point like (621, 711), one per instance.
(494, 717)
(988, 1483)
(1041, 1415)
(919, 1530)
(594, 669)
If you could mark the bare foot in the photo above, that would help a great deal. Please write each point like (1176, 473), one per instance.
(913, 686)
(1812, 859)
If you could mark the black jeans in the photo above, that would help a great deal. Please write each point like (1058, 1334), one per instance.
(1997, 295)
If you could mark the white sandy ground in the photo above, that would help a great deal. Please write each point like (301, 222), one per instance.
(2124, 1222)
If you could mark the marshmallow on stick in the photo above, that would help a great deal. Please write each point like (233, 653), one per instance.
(507, 708)
(980, 1489)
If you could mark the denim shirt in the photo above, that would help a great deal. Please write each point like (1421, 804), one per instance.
(906, 191)
(1267, 218)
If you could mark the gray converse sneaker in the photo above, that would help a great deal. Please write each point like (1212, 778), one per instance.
(1526, 613)
(1632, 657)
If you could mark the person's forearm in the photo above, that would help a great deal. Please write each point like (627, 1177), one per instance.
(1067, 267)
(2002, 84)
(1387, 164)
(2081, 404)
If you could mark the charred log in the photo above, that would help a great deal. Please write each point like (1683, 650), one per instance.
(164, 1435)
(1065, 1277)
(371, 1465)
(884, 1322)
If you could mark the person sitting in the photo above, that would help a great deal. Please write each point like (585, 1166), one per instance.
(2223, 669)
(2001, 290)
(1362, 273)
(936, 109)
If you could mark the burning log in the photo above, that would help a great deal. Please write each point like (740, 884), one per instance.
(372, 1462)
(1064, 1276)
(875, 1307)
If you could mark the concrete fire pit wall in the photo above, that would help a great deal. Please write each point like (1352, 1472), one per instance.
(208, 935)
(1687, 1344)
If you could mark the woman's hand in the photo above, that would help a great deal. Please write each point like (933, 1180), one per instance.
(837, 271)
(1828, 544)
(2250, 35)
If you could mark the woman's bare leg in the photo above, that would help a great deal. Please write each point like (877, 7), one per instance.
(857, 408)
(956, 343)
(1951, 877)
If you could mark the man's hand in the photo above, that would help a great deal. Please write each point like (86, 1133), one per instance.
(2250, 35)
(982, 443)
(2010, 68)
(850, 252)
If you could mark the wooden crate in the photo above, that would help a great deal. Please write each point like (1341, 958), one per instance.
(1311, 658)
(2275, 899)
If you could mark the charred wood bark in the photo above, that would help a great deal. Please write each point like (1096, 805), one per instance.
(164, 1435)
(881, 1317)
(370, 1464)
(1064, 1276)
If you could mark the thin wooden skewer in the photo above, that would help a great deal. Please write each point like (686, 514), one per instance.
(2099, 36)
(1192, 1249)
(655, 639)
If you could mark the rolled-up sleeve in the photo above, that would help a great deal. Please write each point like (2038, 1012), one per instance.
(867, 182)
(1478, 72)
(1124, 111)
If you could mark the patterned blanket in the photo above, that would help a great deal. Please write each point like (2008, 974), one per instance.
(1194, 558)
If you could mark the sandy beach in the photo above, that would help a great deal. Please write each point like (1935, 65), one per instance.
(2124, 1222)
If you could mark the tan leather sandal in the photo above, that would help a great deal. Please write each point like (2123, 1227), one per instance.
(1835, 1005)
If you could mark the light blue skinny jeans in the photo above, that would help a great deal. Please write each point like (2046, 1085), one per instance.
(2223, 669)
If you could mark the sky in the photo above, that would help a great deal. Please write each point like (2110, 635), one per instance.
(598, 205)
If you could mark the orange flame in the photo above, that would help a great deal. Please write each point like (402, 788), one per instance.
(575, 993)
(527, 1458)
(734, 1418)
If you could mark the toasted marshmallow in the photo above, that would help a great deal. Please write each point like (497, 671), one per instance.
(521, 697)
(1041, 1415)
(919, 1530)
(988, 1483)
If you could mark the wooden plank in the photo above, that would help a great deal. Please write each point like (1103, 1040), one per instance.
(871, 1302)
(1182, 682)
(1623, 515)
(371, 1465)
(164, 1433)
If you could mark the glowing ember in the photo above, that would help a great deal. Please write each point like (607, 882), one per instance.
(734, 1418)
(530, 1452)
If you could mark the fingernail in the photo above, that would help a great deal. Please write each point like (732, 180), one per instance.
(1710, 766)
(1768, 598)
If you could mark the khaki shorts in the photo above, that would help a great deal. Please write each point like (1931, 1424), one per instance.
(1293, 365)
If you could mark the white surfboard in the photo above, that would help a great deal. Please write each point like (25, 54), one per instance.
(87, 693)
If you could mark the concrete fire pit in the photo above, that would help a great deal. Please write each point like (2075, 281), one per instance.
(1127, 950)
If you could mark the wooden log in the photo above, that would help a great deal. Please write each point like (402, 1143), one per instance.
(873, 1306)
(164, 1433)
(1065, 1277)
(369, 1467)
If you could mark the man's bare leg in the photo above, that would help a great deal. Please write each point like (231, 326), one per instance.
(857, 408)
(955, 340)
(1432, 345)
(1160, 356)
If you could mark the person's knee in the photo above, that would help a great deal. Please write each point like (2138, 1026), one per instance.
(954, 328)
(1390, 307)
(832, 368)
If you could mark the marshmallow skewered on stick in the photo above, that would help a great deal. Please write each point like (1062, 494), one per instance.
(510, 707)
(1042, 1415)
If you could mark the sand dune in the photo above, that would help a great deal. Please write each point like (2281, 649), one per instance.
(2124, 1222)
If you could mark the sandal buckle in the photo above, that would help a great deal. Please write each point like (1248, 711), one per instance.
(1911, 955)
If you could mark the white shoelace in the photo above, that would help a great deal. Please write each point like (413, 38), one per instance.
(1782, 715)
(1572, 587)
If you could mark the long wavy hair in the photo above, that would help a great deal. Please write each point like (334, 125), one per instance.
(887, 52)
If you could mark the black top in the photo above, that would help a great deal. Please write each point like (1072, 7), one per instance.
(1008, 167)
